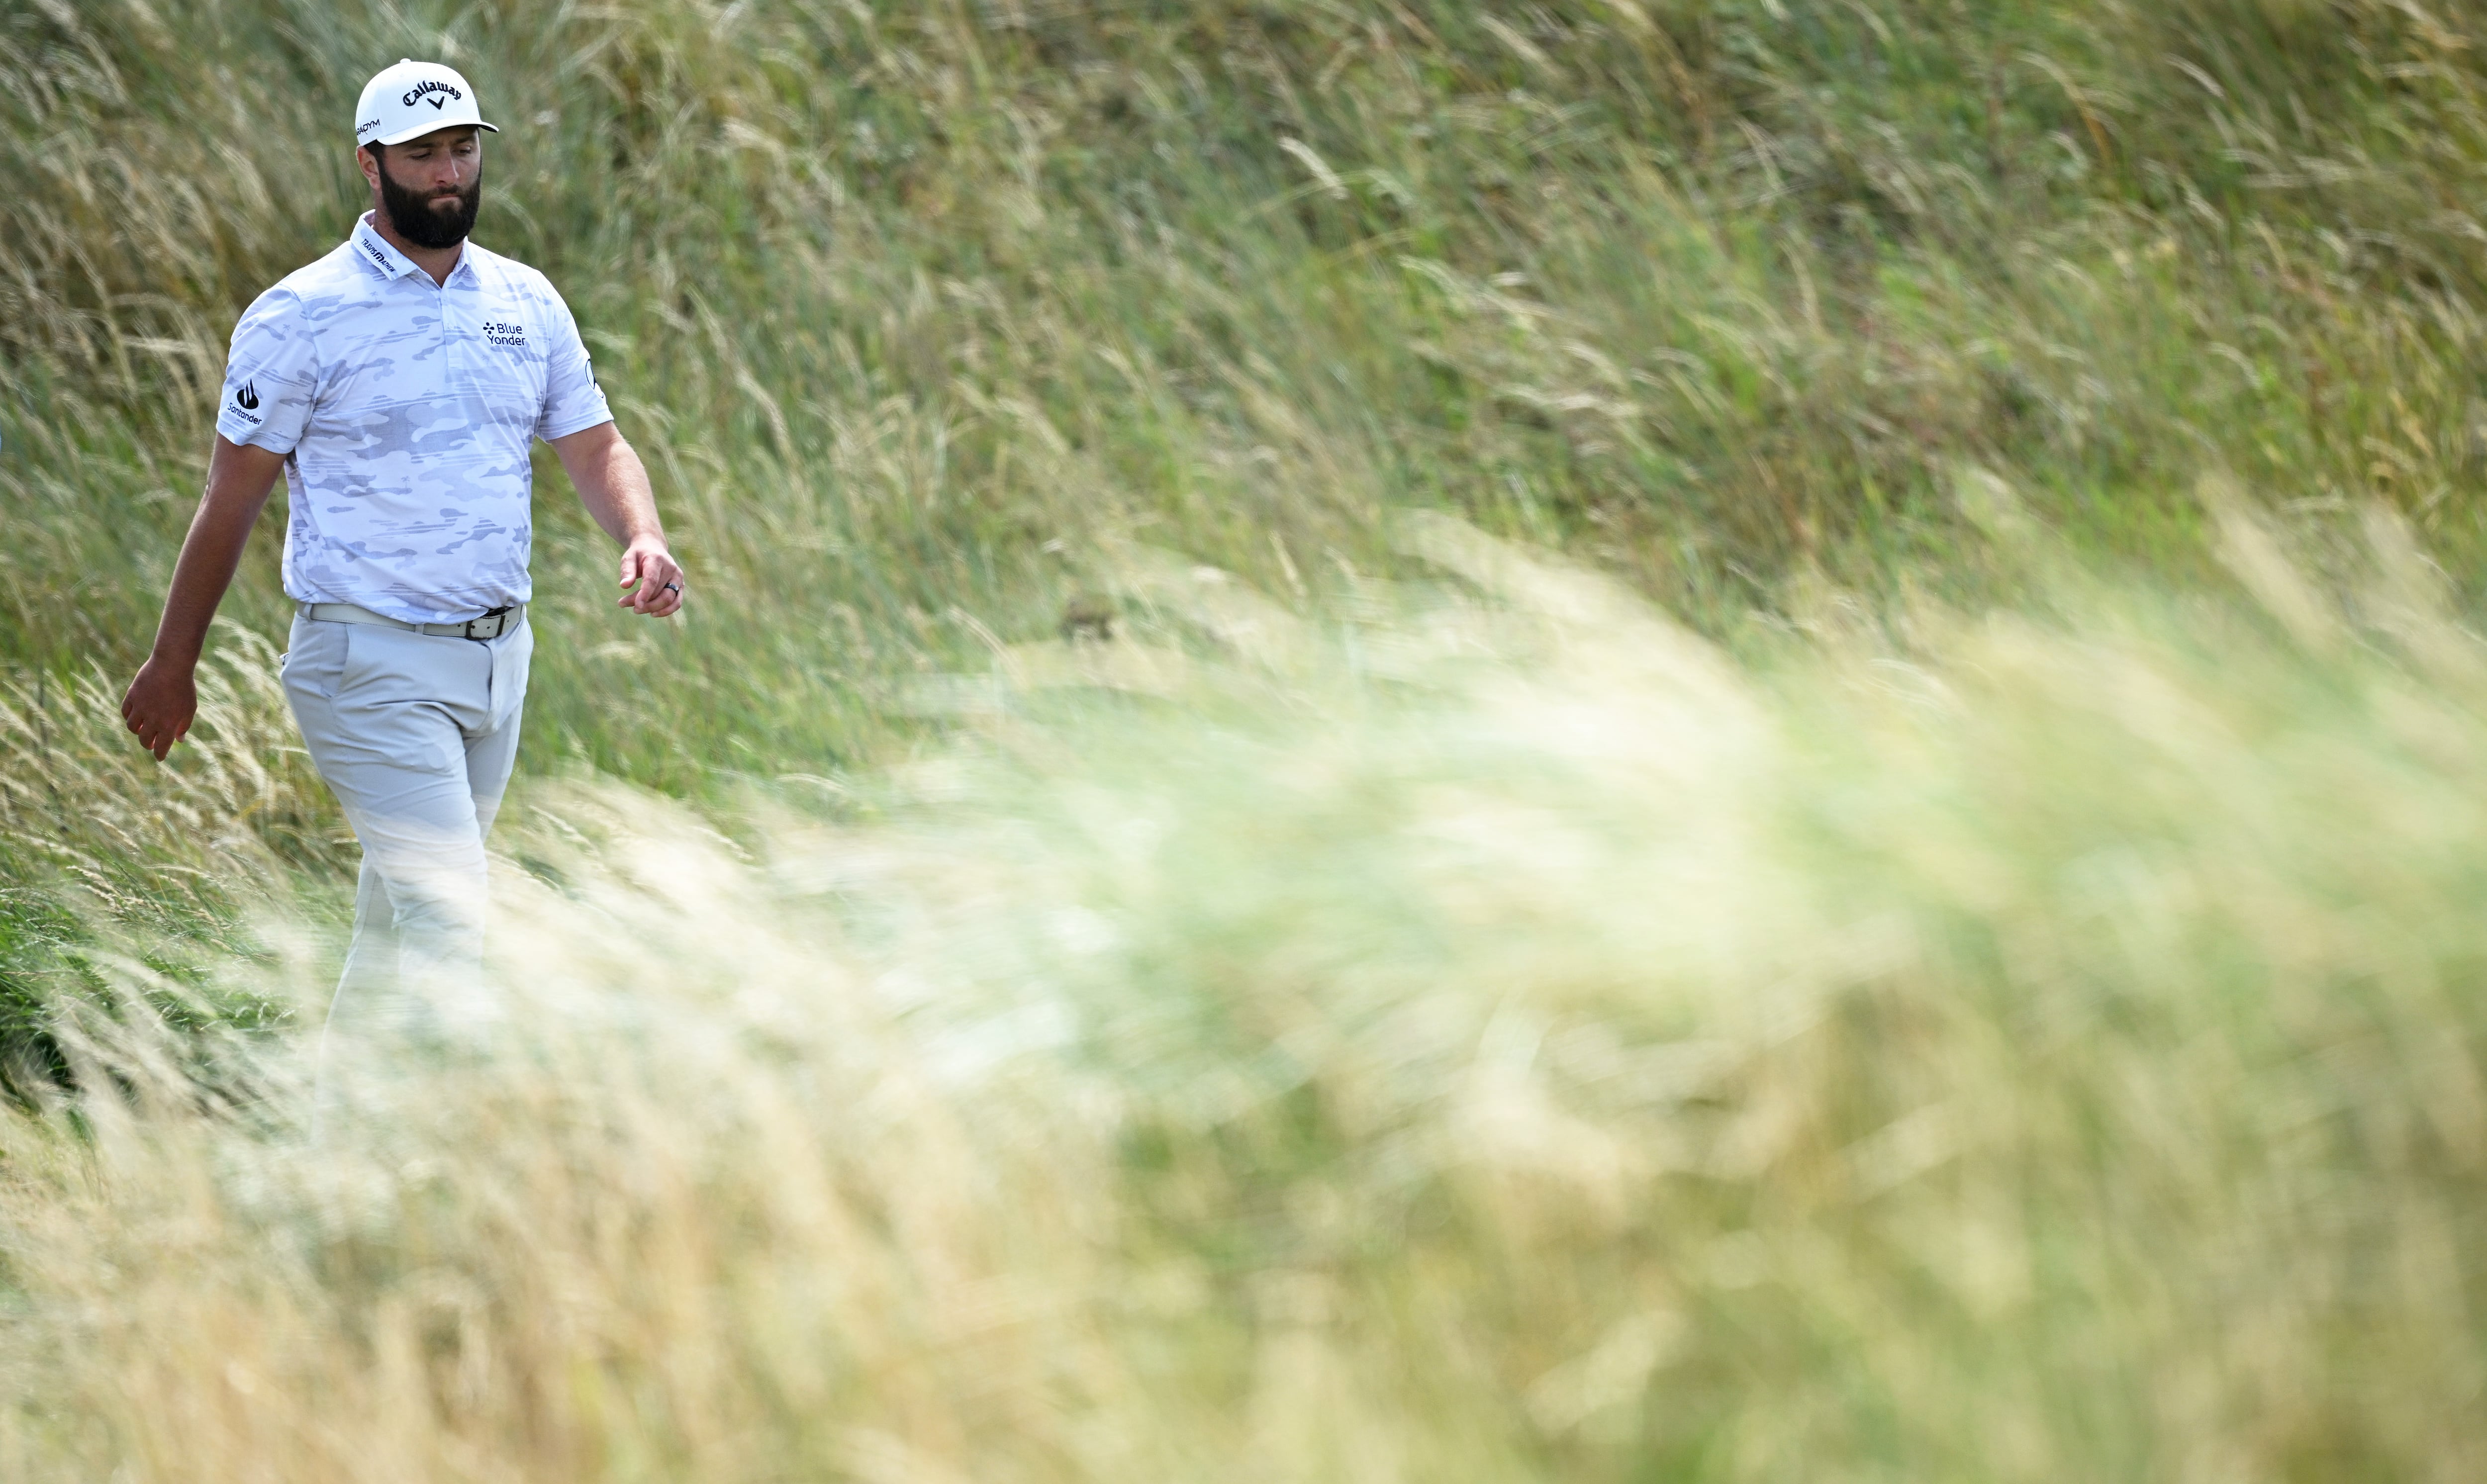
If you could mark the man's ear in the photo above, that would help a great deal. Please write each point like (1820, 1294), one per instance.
(368, 156)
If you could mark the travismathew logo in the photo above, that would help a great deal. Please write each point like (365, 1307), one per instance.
(501, 333)
(246, 401)
(378, 257)
(440, 92)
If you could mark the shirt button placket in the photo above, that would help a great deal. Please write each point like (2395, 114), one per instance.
(448, 341)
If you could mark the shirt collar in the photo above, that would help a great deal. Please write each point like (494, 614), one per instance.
(390, 264)
(377, 254)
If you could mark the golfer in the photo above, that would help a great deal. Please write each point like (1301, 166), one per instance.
(396, 382)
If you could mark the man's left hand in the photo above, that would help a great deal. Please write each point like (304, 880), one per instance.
(652, 581)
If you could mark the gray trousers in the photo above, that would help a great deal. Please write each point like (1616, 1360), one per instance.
(415, 733)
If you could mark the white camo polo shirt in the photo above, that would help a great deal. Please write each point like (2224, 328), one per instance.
(405, 411)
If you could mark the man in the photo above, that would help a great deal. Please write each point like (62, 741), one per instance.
(396, 382)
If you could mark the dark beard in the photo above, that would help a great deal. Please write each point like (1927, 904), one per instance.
(414, 218)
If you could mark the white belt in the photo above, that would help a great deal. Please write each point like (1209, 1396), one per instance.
(487, 626)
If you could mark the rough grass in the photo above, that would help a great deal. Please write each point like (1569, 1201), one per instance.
(916, 308)
(1816, 326)
(1502, 1038)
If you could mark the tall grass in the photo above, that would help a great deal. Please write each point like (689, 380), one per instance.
(1501, 1038)
(901, 299)
(918, 309)
(1855, 996)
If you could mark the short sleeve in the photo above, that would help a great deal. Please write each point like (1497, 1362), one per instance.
(572, 401)
(271, 375)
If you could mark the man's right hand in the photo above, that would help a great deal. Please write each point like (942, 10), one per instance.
(161, 704)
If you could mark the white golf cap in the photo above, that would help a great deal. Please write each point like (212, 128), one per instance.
(411, 100)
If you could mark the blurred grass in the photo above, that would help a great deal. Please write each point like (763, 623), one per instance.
(1501, 1037)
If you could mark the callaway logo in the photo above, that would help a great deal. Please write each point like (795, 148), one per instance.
(501, 333)
(246, 401)
(422, 88)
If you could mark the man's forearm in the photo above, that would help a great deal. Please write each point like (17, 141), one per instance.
(238, 482)
(613, 485)
(163, 700)
(209, 556)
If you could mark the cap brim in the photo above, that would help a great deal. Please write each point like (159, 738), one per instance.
(402, 135)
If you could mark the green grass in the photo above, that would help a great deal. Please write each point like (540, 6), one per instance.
(1903, 349)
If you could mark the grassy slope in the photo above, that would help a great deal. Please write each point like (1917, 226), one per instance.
(2126, 1100)
(919, 309)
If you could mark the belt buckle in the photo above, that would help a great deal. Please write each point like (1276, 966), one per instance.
(498, 618)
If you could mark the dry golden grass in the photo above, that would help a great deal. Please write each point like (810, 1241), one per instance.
(1499, 1037)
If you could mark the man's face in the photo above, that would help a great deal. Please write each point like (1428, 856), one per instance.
(429, 188)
